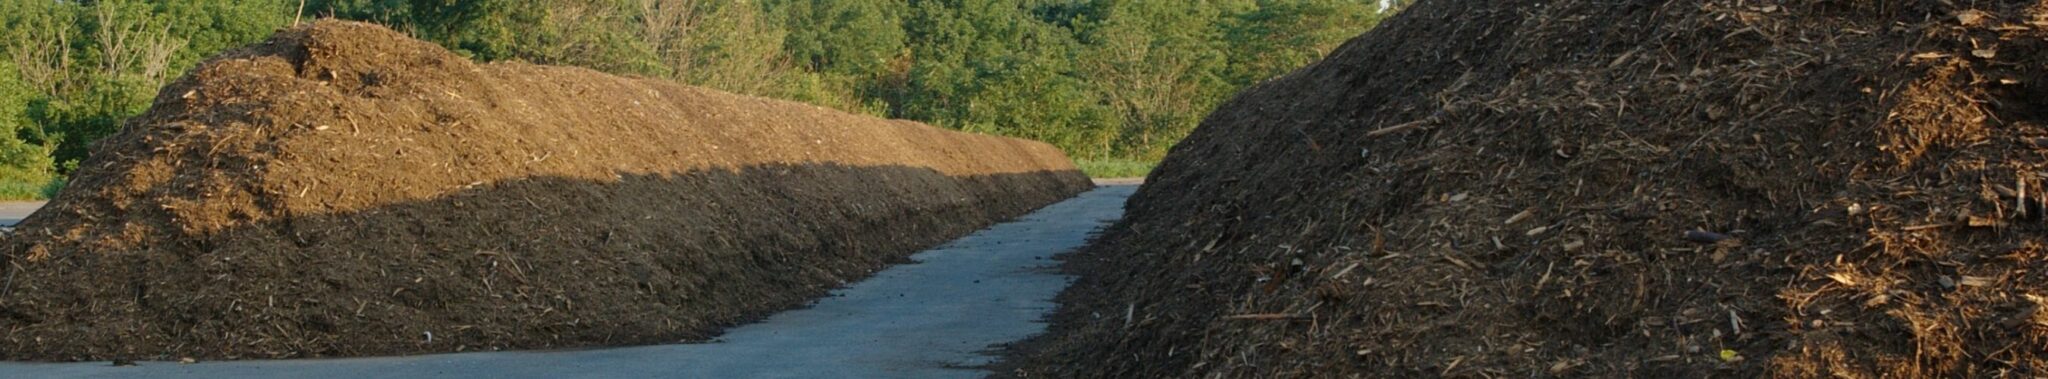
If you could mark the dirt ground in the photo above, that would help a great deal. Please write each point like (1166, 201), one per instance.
(1575, 188)
(342, 190)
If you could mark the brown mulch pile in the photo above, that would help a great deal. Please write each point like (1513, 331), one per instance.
(1580, 188)
(344, 190)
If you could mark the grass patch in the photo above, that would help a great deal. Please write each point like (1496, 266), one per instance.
(1115, 168)
(13, 189)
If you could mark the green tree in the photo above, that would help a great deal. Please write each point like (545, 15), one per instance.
(1277, 36)
(209, 27)
(726, 45)
(846, 37)
(88, 66)
(21, 161)
(853, 47)
(597, 34)
(1166, 63)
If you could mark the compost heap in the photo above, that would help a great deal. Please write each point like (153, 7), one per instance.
(344, 190)
(1487, 188)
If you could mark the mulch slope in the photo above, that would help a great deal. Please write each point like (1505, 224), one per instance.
(344, 190)
(1576, 188)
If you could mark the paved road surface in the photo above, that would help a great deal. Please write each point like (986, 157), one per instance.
(11, 212)
(936, 318)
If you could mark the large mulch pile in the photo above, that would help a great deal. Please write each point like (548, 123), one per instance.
(1575, 188)
(344, 190)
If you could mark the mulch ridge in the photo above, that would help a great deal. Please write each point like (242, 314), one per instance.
(1577, 188)
(344, 190)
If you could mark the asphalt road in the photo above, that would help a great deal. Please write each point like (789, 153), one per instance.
(937, 318)
(11, 212)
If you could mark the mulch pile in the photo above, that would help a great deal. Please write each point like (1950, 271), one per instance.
(1580, 188)
(344, 190)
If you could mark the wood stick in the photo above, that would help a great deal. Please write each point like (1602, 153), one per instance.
(1264, 317)
(1411, 125)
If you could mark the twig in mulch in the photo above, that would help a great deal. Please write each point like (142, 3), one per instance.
(1266, 317)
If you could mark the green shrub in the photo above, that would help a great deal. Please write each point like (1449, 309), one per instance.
(17, 189)
(1115, 168)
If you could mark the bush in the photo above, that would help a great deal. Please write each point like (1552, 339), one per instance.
(25, 167)
(22, 189)
(1115, 168)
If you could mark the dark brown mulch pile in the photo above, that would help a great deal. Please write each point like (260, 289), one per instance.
(343, 190)
(1573, 188)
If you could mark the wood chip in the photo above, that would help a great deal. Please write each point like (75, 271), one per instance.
(1845, 278)
(1459, 262)
(1930, 56)
(1985, 222)
(1518, 217)
(1916, 228)
(1403, 127)
(1264, 317)
(1704, 237)
(1978, 281)
(1562, 367)
(1346, 270)
(1972, 17)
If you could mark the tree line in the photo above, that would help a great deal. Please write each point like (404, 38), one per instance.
(1105, 80)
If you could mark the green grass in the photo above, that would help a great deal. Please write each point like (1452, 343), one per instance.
(1115, 168)
(11, 189)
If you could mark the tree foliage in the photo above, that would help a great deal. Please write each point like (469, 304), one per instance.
(20, 159)
(78, 69)
(1103, 79)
